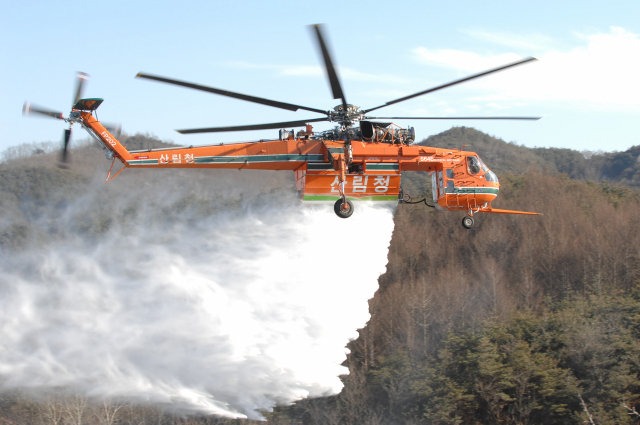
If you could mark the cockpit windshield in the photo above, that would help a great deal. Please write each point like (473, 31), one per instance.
(484, 167)
(490, 177)
(475, 165)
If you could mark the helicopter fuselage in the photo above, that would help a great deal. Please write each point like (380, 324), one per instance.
(326, 170)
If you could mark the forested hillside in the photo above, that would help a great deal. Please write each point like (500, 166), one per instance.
(501, 157)
(522, 320)
(515, 321)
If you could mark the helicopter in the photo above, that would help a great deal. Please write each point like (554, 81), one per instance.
(360, 159)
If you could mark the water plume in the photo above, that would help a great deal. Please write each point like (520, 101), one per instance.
(225, 311)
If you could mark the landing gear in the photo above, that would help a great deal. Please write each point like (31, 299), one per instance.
(467, 222)
(343, 209)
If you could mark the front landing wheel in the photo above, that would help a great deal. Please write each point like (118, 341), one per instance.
(467, 222)
(343, 211)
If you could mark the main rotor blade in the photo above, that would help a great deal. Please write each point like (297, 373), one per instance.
(453, 118)
(334, 81)
(64, 162)
(29, 108)
(254, 99)
(82, 77)
(252, 127)
(453, 83)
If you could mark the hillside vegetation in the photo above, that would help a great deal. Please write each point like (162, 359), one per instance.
(522, 320)
(502, 157)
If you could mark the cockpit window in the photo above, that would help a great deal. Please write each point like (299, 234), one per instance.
(473, 165)
(484, 167)
(450, 186)
(490, 177)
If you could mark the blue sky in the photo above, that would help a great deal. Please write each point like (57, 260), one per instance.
(585, 85)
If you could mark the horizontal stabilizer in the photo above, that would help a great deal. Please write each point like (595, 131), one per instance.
(88, 104)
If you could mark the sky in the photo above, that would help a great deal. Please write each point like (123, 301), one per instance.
(585, 84)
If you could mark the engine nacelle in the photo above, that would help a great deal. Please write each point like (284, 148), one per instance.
(286, 134)
(384, 132)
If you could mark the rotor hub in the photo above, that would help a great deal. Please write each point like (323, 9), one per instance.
(348, 117)
(74, 116)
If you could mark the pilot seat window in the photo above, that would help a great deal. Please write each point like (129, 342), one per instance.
(473, 165)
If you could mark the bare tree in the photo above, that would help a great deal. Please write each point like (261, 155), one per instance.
(106, 411)
(74, 406)
(50, 409)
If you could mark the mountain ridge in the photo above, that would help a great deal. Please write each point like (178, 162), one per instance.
(509, 157)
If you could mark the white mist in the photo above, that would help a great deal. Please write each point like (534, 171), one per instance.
(228, 315)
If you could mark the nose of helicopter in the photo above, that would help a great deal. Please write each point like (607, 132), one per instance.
(491, 177)
(491, 187)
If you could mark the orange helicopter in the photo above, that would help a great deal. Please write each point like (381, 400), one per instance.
(361, 158)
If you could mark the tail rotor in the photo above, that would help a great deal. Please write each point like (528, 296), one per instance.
(29, 109)
(64, 156)
(81, 78)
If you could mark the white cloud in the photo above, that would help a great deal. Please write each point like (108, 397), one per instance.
(602, 73)
(464, 61)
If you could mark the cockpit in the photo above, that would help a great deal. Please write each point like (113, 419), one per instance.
(475, 166)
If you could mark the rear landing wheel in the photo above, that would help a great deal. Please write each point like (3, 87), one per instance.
(467, 222)
(343, 212)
